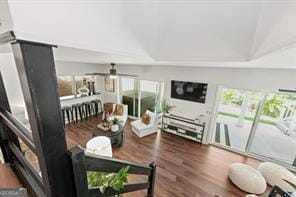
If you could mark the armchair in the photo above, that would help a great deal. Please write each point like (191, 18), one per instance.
(141, 129)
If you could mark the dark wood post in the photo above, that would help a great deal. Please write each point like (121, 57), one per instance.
(151, 180)
(36, 69)
(78, 162)
(5, 135)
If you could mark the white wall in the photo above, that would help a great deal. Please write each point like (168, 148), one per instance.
(159, 30)
(275, 28)
(90, 25)
(243, 78)
(5, 17)
(164, 31)
(74, 68)
(250, 79)
(12, 84)
(80, 69)
(11, 79)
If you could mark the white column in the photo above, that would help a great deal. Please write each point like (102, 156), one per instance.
(244, 108)
(293, 118)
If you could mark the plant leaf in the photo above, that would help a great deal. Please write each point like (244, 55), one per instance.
(104, 180)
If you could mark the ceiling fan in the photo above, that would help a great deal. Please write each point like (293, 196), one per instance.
(113, 73)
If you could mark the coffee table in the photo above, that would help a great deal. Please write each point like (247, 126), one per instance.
(115, 137)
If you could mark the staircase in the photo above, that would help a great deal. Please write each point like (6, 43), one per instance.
(59, 172)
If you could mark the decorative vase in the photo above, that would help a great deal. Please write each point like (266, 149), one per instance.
(83, 91)
(93, 88)
(114, 127)
(89, 88)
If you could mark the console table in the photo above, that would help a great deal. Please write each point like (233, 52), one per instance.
(184, 127)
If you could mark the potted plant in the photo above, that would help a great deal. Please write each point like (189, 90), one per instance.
(115, 124)
(165, 107)
(109, 184)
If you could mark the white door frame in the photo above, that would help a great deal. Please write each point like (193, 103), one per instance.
(137, 88)
(252, 132)
(254, 156)
(255, 123)
(213, 118)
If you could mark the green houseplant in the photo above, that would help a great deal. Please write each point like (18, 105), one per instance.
(165, 107)
(115, 124)
(272, 106)
(105, 181)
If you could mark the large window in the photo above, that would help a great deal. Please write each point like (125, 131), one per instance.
(149, 95)
(141, 95)
(69, 85)
(129, 94)
(65, 85)
(258, 123)
(275, 132)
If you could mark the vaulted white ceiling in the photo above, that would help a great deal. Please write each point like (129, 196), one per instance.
(228, 33)
(195, 31)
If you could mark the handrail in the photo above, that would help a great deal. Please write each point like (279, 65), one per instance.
(47, 139)
(111, 165)
(7, 37)
(82, 163)
(28, 178)
(26, 164)
(18, 128)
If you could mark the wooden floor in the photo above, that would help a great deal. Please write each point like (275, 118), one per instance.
(184, 168)
(8, 179)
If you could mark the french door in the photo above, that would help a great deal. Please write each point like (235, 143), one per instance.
(257, 123)
(129, 94)
(141, 95)
(275, 134)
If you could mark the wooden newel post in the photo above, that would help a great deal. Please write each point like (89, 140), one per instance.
(78, 160)
(151, 180)
(36, 69)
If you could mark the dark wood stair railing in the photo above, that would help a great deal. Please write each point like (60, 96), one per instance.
(11, 130)
(46, 137)
(83, 163)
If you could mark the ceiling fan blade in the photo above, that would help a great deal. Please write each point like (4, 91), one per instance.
(127, 75)
(101, 74)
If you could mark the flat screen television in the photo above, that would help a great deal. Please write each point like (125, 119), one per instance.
(190, 91)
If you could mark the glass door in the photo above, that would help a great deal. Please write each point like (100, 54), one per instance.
(275, 133)
(129, 92)
(235, 117)
(149, 93)
(141, 95)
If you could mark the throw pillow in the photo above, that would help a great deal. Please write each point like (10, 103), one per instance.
(108, 107)
(146, 118)
(118, 110)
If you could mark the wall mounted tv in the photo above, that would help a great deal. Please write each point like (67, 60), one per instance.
(190, 91)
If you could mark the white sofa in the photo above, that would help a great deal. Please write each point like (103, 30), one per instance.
(141, 129)
(122, 118)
